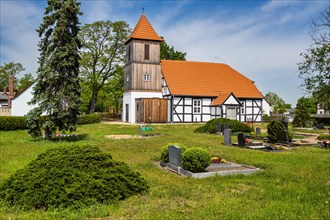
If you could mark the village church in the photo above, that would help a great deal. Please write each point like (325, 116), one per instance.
(182, 91)
(168, 91)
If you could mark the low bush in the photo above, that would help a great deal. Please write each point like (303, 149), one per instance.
(196, 159)
(235, 126)
(89, 119)
(71, 177)
(274, 130)
(12, 123)
(164, 151)
(324, 137)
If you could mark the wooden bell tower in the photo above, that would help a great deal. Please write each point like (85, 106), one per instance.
(142, 71)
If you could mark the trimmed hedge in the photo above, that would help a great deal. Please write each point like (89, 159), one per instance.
(89, 119)
(235, 126)
(164, 151)
(12, 123)
(196, 159)
(71, 177)
(19, 122)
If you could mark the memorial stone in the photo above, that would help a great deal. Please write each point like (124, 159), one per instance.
(227, 137)
(258, 132)
(241, 139)
(174, 155)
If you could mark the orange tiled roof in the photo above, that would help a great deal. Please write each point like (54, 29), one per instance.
(206, 79)
(143, 30)
(223, 96)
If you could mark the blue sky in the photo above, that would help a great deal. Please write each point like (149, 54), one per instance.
(260, 39)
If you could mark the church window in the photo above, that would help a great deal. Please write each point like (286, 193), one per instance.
(197, 105)
(129, 53)
(146, 51)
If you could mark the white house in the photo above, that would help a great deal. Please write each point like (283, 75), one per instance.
(187, 91)
(19, 104)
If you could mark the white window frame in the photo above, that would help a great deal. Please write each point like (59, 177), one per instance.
(197, 106)
(146, 77)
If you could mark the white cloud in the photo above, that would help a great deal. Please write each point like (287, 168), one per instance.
(18, 23)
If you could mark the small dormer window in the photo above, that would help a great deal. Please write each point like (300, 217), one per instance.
(146, 51)
(146, 77)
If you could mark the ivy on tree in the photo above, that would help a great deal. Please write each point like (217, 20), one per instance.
(57, 87)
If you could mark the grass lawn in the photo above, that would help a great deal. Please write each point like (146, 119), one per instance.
(293, 184)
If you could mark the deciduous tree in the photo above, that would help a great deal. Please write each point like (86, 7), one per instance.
(315, 68)
(103, 53)
(57, 87)
(8, 69)
(168, 53)
(276, 102)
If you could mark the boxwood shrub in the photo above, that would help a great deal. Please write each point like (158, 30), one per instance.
(235, 126)
(164, 151)
(196, 159)
(71, 177)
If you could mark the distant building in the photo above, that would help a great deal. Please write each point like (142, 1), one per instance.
(322, 110)
(183, 91)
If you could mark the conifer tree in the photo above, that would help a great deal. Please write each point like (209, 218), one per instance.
(57, 90)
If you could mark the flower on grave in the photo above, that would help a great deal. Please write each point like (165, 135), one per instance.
(223, 161)
(216, 159)
(248, 141)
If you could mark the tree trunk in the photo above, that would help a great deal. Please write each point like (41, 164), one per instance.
(93, 102)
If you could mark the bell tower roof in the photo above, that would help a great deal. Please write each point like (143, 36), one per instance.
(144, 31)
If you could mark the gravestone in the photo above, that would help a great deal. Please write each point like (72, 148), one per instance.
(283, 136)
(227, 137)
(320, 126)
(258, 132)
(308, 124)
(219, 130)
(174, 155)
(241, 139)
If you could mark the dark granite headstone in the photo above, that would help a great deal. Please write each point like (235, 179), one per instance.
(227, 137)
(320, 126)
(174, 155)
(258, 132)
(283, 136)
(241, 139)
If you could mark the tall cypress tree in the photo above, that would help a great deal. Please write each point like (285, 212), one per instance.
(57, 90)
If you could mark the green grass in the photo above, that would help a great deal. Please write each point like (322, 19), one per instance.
(293, 184)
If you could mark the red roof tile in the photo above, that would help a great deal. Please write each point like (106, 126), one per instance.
(144, 31)
(206, 79)
(223, 96)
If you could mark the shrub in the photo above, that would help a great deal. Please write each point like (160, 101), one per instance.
(89, 119)
(196, 159)
(164, 151)
(274, 128)
(324, 137)
(12, 123)
(236, 126)
(71, 177)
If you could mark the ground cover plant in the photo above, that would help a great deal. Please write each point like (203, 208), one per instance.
(71, 176)
(292, 184)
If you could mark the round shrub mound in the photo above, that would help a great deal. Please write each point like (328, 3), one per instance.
(164, 151)
(196, 159)
(273, 130)
(71, 177)
(235, 126)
